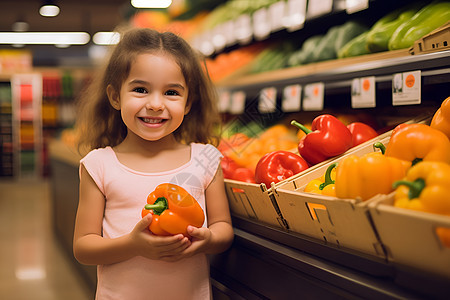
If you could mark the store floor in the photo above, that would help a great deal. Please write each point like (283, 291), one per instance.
(32, 263)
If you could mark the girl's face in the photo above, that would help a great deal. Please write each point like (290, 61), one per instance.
(153, 98)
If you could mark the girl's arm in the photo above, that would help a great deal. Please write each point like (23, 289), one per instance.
(92, 249)
(219, 219)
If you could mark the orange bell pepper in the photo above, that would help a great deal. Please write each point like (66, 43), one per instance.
(369, 175)
(417, 142)
(324, 185)
(441, 119)
(173, 210)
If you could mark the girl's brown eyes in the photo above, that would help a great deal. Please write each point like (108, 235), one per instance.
(140, 90)
(172, 93)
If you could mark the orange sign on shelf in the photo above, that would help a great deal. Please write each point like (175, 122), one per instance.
(410, 80)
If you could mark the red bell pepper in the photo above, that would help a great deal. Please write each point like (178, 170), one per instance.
(229, 166)
(277, 166)
(244, 174)
(361, 132)
(327, 138)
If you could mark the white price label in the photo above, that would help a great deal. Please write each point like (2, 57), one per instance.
(291, 98)
(243, 29)
(295, 15)
(224, 101)
(319, 7)
(277, 13)
(352, 6)
(313, 96)
(267, 100)
(237, 102)
(363, 92)
(406, 88)
(261, 24)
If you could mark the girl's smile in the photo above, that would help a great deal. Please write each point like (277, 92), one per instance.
(153, 122)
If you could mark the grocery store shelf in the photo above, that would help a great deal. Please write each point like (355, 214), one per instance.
(340, 72)
(266, 262)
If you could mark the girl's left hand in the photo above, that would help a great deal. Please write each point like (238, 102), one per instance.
(200, 238)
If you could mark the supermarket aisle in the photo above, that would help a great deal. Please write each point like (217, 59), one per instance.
(32, 265)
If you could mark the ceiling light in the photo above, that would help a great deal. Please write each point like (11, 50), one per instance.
(45, 38)
(49, 9)
(151, 3)
(106, 38)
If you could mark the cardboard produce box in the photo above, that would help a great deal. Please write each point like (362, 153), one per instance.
(341, 222)
(410, 237)
(253, 201)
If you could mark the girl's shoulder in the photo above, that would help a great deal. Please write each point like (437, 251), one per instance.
(202, 148)
(99, 153)
(205, 152)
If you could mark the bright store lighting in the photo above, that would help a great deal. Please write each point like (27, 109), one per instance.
(49, 10)
(151, 3)
(106, 38)
(45, 38)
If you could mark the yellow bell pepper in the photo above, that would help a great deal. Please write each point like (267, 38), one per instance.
(369, 175)
(323, 185)
(426, 187)
(441, 119)
(417, 142)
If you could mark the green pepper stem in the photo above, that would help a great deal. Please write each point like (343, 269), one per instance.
(301, 126)
(159, 206)
(379, 145)
(415, 187)
(328, 179)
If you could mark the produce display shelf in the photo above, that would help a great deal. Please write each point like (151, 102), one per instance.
(336, 74)
(348, 271)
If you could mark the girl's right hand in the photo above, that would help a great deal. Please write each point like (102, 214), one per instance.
(152, 246)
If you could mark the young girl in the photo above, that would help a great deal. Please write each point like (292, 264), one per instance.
(150, 119)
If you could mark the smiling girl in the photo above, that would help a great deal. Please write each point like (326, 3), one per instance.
(149, 119)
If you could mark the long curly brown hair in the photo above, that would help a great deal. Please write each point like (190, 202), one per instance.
(99, 125)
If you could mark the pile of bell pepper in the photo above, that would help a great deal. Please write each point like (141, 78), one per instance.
(242, 154)
(329, 137)
(412, 149)
(271, 158)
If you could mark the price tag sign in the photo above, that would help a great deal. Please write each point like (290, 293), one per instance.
(243, 29)
(406, 88)
(363, 92)
(261, 24)
(277, 13)
(237, 102)
(352, 6)
(295, 15)
(267, 100)
(319, 7)
(313, 96)
(291, 98)
(224, 101)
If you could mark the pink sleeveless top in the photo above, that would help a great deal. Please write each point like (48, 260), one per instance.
(126, 192)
